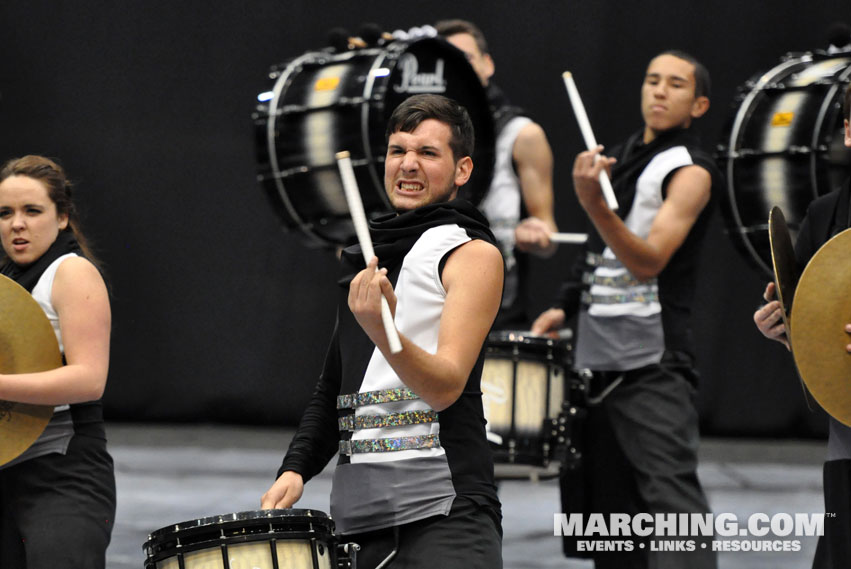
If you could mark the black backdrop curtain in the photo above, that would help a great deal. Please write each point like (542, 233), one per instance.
(219, 315)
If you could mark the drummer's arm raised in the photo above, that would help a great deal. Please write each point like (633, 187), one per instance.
(472, 278)
(81, 300)
(688, 192)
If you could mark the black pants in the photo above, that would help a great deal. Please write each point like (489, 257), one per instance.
(834, 548)
(639, 450)
(58, 510)
(470, 537)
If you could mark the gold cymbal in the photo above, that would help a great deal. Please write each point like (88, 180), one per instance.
(783, 262)
(822, 309)
(27, 344)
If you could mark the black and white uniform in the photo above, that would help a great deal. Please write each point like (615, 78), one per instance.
(57, 500)
(504, 208)
(641, 436)
(402, 465)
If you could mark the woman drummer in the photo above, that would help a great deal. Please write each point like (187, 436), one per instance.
(57, 500)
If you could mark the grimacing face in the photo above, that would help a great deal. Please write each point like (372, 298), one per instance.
(29, 222)
(420, 168)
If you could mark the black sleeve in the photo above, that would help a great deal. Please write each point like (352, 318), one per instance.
(806, 244)
(317, 439)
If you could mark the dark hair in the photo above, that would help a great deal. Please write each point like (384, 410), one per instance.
(417, 108)
(702, 84)
(446, 28)
(846, 107)
(58, 187)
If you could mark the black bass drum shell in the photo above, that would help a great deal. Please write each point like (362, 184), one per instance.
(322, 102)
(783, 146)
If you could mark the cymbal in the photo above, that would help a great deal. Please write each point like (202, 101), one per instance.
(783, 262)
(27, 344)
(822, 309)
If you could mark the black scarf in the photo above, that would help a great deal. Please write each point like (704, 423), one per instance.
(501, 108)
(393, 234)
(28, 275)
(842, 211)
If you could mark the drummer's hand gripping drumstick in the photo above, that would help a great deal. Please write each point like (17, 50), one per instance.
(350, 186)
(588, 135)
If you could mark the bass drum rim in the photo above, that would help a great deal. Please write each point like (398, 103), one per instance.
(376, 103)
(818, 152)
(205, 533)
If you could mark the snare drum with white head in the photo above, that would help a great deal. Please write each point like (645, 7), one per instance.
(265, 539)
(524, 387)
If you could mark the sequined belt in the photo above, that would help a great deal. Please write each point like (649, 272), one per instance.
(389, 445)
(630, 296)
(353, 423)
(355, 400)
(623, 280)
(597, 260)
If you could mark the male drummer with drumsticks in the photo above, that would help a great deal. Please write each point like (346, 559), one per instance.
(522, 183)
(826, 217)
(414, 481)
(640, 448)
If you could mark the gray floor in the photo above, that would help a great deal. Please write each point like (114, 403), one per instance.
(172, 473)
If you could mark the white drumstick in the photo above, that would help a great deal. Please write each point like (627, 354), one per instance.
(350, 186)
(588, 135)
(568, 237)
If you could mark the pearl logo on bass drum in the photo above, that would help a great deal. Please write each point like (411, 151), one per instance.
(413, 82)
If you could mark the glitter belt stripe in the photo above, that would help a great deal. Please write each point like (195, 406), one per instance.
(353, 423)
(388, 445)
(355, 400)
(631, 296)
(596, 260)
(619, 281)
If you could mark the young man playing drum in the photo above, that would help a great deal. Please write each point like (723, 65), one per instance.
(522, 182)
(640, 449)
(826, 217)
(414, 480)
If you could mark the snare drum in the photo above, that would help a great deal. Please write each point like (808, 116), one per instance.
(523, 393)
(324, 102)
(783, 146)
(267, 539)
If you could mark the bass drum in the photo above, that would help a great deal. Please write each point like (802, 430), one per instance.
(324, 102)
(783, 146)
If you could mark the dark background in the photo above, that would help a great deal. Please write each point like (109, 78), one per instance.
(219, 315)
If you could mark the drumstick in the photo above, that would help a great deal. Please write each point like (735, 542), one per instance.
(350, 186)
(588, 135)
(575, 238)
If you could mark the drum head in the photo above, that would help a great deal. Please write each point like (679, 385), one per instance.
(27, 344)
(323, 103)
(507, 342)
(822, 309)
(783, 147)
(239, 527)
(783, 261)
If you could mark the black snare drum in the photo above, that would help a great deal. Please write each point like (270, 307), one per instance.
(324, 102)
(784, 146)
(524, 388)
(266, 539)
